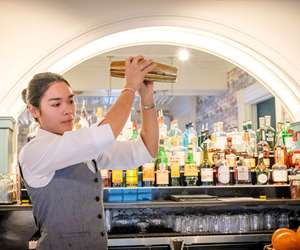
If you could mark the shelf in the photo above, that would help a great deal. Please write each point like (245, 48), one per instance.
(203, 187)
(15, 207)
(242, 201)
(188, 240)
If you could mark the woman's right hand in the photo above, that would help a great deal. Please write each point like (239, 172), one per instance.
(135, 71)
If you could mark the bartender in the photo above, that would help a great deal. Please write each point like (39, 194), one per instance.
(60, 166)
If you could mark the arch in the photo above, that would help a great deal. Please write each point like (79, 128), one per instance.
(185, 32)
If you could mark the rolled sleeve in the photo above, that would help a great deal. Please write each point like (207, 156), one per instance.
(125, 155)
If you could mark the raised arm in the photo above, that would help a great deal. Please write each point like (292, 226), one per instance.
(149, 132)
(135, 71)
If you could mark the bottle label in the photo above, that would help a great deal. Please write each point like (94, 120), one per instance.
(117, 176)
(207, 175)
(190, 170)
(231, 160)
(266, 162)
(104, 173)
(223, 174)
(175, 169)
(243, 173)
(148, 172)
(131, 177)
(280, 175)
(270, 136)
(262, 178)
(162, 177)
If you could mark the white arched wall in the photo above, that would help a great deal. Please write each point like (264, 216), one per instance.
(243, 51)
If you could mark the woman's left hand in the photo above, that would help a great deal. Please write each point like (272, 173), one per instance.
(146, 92)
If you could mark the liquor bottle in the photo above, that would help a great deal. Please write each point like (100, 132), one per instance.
(279, 169)
(193, 137)
(148, 174)
(252, 139)
(262, 172)
(163, 129)
(260, 128)
(263, 148)
(220, 136)
(134, 133)
(223, 171)
(287, 136)
(83, 119)
(175, 170)
(206, 169)
(190, 169)
(185, 137)
(243, 173)
(230, 157)
(132, 177)
(106, 177)
(161, 165)
(270, 133)
(174, 136)
(117, 178)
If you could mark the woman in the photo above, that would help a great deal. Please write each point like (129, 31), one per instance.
(57, 165)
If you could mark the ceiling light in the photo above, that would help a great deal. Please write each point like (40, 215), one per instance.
(183, 54)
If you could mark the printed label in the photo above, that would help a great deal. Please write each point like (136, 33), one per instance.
(148, 172)
(190, 170)
(207, 175)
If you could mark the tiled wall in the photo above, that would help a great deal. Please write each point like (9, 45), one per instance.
(211, 109)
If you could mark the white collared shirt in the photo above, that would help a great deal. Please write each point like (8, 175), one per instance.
(48, 152)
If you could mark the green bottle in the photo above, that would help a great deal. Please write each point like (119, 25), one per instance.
(191, 171)
(161, 165)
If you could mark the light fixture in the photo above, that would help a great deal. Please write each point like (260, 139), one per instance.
(183, 55)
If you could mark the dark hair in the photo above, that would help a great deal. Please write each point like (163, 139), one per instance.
(38, 86)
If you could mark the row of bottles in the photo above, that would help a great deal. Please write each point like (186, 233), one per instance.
(228, 169)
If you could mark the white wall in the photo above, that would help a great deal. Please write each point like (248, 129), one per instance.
(35, 34)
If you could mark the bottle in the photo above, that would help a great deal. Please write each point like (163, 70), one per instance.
(132, 177)
(106, 177)
(175, 170)
(193, 137)
(252, 139)
(260, 129)
(270, 133)
(230, 157)
(161, 165)
(243, 173)
(206, 169)
(83, 119)
(174, 136)
(223, 171)
(262, 172)
(279, 169)
(117, 178)
(163, 129)
(190, 169)
(134, 133)
(263, 148)
(148, 174)
(185, 137)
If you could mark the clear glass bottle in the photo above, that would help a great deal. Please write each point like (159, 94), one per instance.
(190, 169)
(243, 173)
(279, 169)
(206, 169)
(231, 158)
(223, 171)
(174, 170)
(163, 129)
(117, 178)
(148, 170)
(132, 177)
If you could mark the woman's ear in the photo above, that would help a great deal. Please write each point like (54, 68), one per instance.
(35, 112)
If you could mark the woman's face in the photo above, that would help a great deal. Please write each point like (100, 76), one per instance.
(57, 109)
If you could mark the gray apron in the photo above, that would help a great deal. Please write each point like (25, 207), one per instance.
(69, 210)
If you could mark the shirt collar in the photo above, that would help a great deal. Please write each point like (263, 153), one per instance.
(43, 132)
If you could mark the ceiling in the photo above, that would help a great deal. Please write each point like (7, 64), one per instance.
(202, 74)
